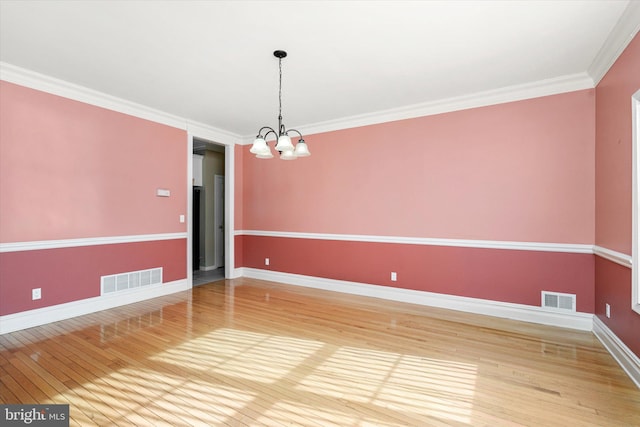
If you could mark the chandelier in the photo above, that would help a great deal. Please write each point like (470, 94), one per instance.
(284, 146)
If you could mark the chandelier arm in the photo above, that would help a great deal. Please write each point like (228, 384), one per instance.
(296, 131)
(270, 131)
(263, 128)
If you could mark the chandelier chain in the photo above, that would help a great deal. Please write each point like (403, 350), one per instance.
(280, 88)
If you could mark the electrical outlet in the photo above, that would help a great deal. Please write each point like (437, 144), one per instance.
(266, 261)
(394, 276)
(36, 293)
(607, 310)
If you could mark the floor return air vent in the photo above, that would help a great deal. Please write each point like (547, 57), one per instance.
(133, 279)
(559, 301)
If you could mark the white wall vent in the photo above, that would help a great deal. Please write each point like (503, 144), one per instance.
(559, 301)
(130, 280)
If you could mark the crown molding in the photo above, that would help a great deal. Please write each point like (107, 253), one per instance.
(52, 85)
(623, 32)
(31, 79)
(503, 95)
(210, 133)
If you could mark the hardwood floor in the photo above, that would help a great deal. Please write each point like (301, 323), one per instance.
(248, 352)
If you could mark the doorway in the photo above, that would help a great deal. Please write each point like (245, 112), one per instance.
(208, 213)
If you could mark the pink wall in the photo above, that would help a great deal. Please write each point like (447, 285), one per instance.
(72, 170)
(613, 286)
(613, 192)
(613, 150)
(72, 274)
(521, 171)
(239, 186)
(493, 274)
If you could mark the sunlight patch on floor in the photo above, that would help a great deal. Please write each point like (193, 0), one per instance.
(405, 383)
(241, 354)
(163, 396)
(287, 413)
(218, 376)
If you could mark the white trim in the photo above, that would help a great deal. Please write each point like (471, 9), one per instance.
(614, 256)
(237, 273)
(503, 95)
(88, 241)
(31, 79)
(487, 244)
(34, 80)
(229, 211)
(189, 209)
(635, 199)
(42, 316)
(521, 312)
(629, 362)
(619, 38)
(210, 134)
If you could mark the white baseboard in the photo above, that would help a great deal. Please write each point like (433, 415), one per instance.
(620, 352)
(629, 362)
(207, 267)
(522, 312)
(41, 316)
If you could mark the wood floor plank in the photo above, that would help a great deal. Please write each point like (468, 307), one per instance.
(249, 352)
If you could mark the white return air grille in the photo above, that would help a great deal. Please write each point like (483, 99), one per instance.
(133, 279)
(566, 302)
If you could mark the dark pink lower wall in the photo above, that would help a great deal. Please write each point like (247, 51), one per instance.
(72, 274)
(501, 275)
(613, 287)
(238, 251)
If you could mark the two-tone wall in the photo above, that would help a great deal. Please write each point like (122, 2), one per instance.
(613, 194)
(494, 203)
(78, 198)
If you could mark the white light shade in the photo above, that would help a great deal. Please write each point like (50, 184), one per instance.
(284, 144)
(288, 155)
(265, 154)
(301, 149)
(259, 146)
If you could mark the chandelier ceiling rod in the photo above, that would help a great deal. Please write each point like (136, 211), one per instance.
(284, 146)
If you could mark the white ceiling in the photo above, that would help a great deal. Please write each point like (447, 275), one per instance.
(211, 61)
